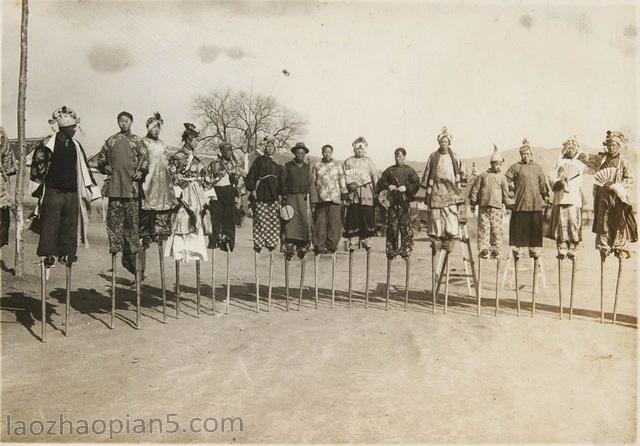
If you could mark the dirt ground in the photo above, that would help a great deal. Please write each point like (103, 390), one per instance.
(342, 375)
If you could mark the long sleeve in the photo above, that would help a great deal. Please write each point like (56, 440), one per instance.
(313, 188)
(475, 188)
(251, 178)
(176, 168)
(542, 182)
(413, 183)
(374, 173)
(142, 157)
(342, 181)
(627, 174)
(8, 160)
(103, 158)
(283, 180)
(39, 163)
(383, 182)
(507, 200)
(591, 161)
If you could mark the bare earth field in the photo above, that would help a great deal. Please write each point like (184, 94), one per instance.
(342, 375)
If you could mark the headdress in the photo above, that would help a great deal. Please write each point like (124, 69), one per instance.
(445, 134)
(496, 156)
(615, 136)
(155, 120)
(64, 117)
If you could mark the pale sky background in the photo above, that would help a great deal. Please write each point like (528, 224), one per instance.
(392, 72)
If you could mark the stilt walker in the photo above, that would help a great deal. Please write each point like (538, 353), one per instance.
(443, 178)
(566, 217)
(66, 187)
(295, 182)
(227, 176)
(360, 176)
(157, 201)
(614, 222)
(264, 183)
(397, 188)
(125, 161)
(526, 223)
(490, 191)
(189, 222)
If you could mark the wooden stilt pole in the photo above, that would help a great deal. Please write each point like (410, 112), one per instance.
(350, 275)
(333, 278)
(479, 286)
(197, 288)
(560, 287)
(573, 279)
(366, 285)
(113, 289)
(386, 305)
(303, 263)
(162, 281)
(615, 299)
(446, 282)
(177, 289)
(533, 291)
(255, 258)
(315, 276)
(602, 259)
(67, 300)
(497, 285)
(270, 276)
(433, 276)
(286, 282)
(138, 292)
(406, 282)
(213, 281)
(43, 301)
(228, 302)
(515, 276)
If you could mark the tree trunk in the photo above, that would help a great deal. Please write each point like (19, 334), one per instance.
(20, 180)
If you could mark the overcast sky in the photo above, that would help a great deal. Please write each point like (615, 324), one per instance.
(392, 72)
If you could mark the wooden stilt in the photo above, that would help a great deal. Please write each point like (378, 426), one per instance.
(497, 285)
(433, 276)
(350, 275)
(162, 281)
(228, 302)
(573, 279)
(315, 276)
(138, 291)
(333, 278)
(67, 300)
(197, 288)
(533, 291)
(386, 305)
(615, 299)
(255, 258)
(213, 281)
(177, 289)
(560, 287)
(479, 285)
(286, 282)
(366, 285)
(446, 282)
(113, 289)
(270, 276)
(515, 276)
(442, 272)
(602, 259)
(303, 263)
(43, 301)
(406, 282)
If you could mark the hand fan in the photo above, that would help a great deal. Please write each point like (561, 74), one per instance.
(605, 175)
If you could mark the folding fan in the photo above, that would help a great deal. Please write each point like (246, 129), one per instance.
(605, 175)
(569, 171)
(356, 176)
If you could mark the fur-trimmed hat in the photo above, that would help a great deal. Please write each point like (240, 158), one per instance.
(64, 117)
(189, 130)
(615, 136)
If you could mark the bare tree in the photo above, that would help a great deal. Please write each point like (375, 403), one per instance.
(244, 119)
(22, 96)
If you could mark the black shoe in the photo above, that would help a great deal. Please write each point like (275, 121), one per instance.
(49, 261)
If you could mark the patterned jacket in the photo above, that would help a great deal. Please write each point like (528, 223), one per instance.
(139, 155)
(7, 168)
(327, 182)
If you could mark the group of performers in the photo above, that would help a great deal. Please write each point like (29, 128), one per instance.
(187, 207)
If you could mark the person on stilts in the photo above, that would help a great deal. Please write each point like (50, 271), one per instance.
(361, 177)
(401, 183)
(614, 222)
(443, 177)
(226, 176)
(490, 192)
(193, 190)
(263, 182)
(565, 226)
(295, 188)
(157, 201)
(123, 158)
(66, 189)
(328, 191)
(526, 225)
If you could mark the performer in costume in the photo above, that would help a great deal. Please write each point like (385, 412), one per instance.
(263, 182)
(614, 222)
(193, 189)
(157, 199)
(402, 183)
(66, 189)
